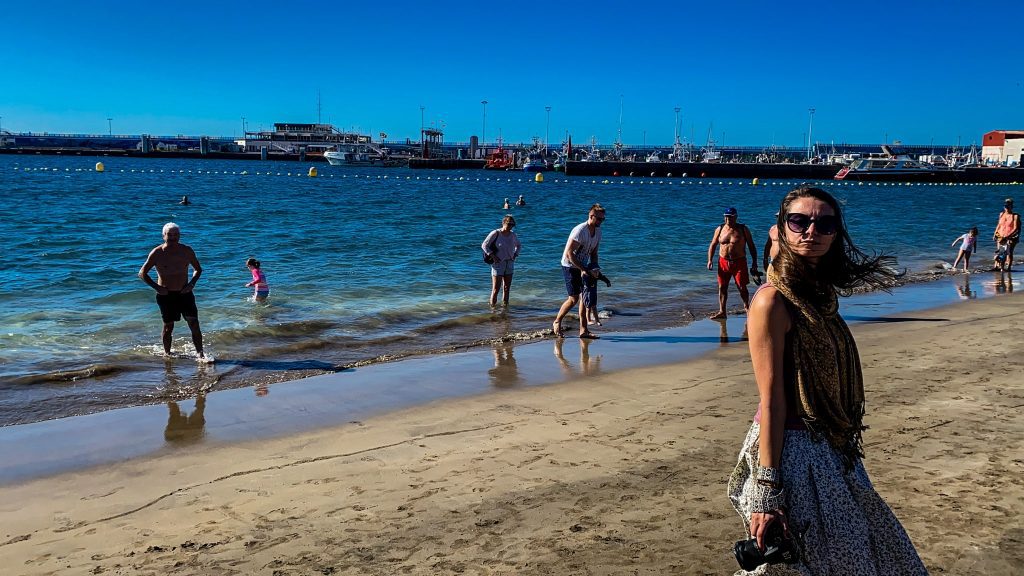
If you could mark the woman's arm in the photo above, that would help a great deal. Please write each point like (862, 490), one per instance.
(768, 322)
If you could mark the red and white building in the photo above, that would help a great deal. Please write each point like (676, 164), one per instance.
(1002, 147)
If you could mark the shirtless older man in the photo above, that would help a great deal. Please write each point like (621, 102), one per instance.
(1008, 229)
(733, 239)
(173, 286)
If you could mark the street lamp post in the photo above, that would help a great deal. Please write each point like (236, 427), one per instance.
(243, 126)
(810, 124)
(110, 129)
(547, 128)
(483, 129)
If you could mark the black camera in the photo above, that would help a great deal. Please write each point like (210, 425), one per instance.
(777, 549)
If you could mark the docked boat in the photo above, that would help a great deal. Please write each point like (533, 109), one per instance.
(536, 163)
(500, 159)
(361, 156)
(891, 167)
(654, 157)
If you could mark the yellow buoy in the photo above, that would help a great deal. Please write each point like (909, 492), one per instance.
(538, 178)
(754, 182)
(312, 171)
(100, 167)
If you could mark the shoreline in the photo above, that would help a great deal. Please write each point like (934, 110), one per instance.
(123, 385)
(622, 472)
(292, 406)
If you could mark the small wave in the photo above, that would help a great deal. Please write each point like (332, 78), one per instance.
(72, 375)
(285, 331)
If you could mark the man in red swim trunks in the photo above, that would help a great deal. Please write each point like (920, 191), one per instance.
(733, 239)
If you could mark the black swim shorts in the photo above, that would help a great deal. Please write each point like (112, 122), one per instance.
(174, 305)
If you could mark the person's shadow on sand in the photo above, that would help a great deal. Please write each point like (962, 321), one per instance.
(185, 428)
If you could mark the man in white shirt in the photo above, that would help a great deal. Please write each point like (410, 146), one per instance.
(579, 258)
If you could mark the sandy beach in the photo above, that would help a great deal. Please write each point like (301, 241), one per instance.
(621, 472)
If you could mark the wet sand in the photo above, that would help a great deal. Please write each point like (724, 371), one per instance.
(619, 470)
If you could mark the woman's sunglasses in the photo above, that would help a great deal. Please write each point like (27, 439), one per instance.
(799, 223)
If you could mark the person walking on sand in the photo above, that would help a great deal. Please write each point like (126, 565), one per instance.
(503, 246)
(800, 474)
(1008, 229)
(173, 286)
(732, 239)
(968, 246)
(578, 258)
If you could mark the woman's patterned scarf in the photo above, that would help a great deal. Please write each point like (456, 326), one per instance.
(830, 386)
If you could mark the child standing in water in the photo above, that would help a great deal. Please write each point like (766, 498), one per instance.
(259, 280)
(999, 258)
(969, 246)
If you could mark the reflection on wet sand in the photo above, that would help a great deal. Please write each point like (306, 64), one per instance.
(505, 373)
(1004, 282)
(723, 331)
(182, 428)
(587, 367)
(964, 289)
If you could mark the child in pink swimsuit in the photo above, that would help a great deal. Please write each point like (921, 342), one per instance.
(259, 280)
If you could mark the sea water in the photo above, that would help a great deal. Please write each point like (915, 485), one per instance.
(364, 264)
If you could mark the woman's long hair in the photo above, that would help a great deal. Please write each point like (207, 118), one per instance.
(843, 268)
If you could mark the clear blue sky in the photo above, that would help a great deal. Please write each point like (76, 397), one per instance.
(913, 71)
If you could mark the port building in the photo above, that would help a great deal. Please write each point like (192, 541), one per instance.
(1003, 147)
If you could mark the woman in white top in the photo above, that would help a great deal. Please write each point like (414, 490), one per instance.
(503, 246)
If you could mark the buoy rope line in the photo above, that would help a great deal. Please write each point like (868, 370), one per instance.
(314, 173)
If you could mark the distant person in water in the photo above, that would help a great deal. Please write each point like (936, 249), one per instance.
(1008, 229)
(506, 205)
(968, 246)
(520, 201)
(503, 246)
(732, 239)
(173, 286)
(580, 258)
(259, 280)
(184, 201)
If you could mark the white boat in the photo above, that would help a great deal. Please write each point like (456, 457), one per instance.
(361, 156)
(890, 166)
(654, 157)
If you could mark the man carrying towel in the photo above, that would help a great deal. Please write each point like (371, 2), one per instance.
(733, 238)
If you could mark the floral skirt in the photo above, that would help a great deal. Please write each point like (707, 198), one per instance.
(844, 525)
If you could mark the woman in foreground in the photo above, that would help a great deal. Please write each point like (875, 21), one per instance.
(800, 467)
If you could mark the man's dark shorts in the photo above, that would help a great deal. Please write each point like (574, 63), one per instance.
(174, 305)
(576, 284)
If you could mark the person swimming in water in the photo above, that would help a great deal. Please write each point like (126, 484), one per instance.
(520, 201)
(184, 201)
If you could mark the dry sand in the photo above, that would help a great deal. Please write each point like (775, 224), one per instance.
(623, 473)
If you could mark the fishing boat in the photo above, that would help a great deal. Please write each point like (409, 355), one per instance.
(535, 163)
(654, 157)
(892, 167)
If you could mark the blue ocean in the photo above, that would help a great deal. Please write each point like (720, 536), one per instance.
(365, 265)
